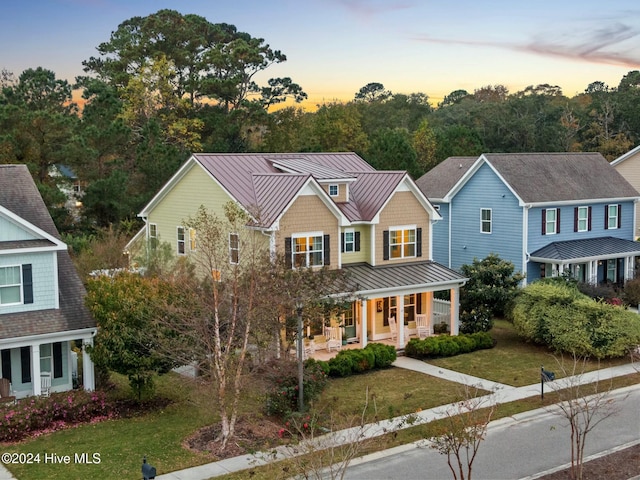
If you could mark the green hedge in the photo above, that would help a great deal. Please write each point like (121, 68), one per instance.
(448, 346)
(350, 362)
(559, 316)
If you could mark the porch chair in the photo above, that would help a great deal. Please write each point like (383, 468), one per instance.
(393, 328)
(5, 391)
(422, 325)
(334, 338)
(45, 384)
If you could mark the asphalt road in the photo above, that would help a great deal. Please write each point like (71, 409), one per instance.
(514, 448)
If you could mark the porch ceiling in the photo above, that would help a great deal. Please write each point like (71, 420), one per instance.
(367, 280)
(587, 249)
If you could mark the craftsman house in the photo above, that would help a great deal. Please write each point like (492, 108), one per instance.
(41, 296)
(548, 213)
(323, 209)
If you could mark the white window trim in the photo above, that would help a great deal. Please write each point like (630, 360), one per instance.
(307, 235)
(415, 241)
(236, 249)
(547, 221)
(183, 241)
(153, 230)
(352, 242)
(586, 219)
(612, 217)
(483, 221)
(20, 286)
(337, 186)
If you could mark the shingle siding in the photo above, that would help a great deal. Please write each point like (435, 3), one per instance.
(43, 273)
(485, 190)
(9, 232)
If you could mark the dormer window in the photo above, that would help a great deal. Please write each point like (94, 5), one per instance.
(334, 190)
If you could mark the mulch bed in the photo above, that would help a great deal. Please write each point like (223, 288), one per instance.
(621, 465)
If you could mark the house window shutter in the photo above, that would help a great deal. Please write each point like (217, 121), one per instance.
(5, 358)
(27, 283)
(575, 219)
(327, 249)
(57, 360)
(418, 242)
(544, 221)
(342, 242)
(589, 220)
(606, 217)
(356, 242)
(287, 252)
(25, 364)
(558, 220)
(619, 215)
(385, 311)
(385, 245)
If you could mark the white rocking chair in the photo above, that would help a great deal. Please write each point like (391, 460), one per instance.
(45, 384)
(422, 326)
(393, 328)
(334, 338)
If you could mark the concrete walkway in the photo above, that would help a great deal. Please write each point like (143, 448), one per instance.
(500, 394)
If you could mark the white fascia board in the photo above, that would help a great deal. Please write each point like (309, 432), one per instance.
(409, 289)
(584, 259)
(67, 335)
(36, 231)
(625, 156)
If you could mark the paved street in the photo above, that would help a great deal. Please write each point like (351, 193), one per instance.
(515, 448)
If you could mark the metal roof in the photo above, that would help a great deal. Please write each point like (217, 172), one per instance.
(319, 171)
(408, 277)
(371, 190)
(587, 249)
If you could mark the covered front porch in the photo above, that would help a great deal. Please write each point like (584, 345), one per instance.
(595, 260)
(405, 295)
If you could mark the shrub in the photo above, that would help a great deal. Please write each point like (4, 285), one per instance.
(568, 321)
(341, 365)
(385, 355)
(40, 414)
(440, 328)
(478, 319)
(631, 293)
(447, 346)
(482, 340)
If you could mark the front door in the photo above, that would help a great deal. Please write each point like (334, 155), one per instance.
(349, 324)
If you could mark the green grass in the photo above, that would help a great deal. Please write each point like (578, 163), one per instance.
(513, 361)
(161, 434)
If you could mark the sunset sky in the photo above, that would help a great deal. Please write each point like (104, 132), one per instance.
(334, 47)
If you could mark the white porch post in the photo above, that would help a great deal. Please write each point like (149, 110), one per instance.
(561, 269)
(363, 322)
(400, 319)
(429, 312)
(455, 311)
(628, 271)
(88, 375)
(35, 369)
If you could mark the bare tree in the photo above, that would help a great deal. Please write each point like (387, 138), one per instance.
(465, 427)
(584, 406)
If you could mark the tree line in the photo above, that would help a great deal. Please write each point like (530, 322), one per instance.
(169, 84)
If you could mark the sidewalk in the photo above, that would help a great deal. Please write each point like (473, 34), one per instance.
(501, 394)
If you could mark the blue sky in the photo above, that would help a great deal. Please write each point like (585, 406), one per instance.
(334, 47)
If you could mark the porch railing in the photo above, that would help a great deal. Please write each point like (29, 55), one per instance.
(441, 310)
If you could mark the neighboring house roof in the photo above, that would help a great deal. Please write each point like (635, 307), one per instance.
(627, 155)
(19, 195)
(539, 177)
(441, 179)
(266, 184)
(366, 279)
(586, 249)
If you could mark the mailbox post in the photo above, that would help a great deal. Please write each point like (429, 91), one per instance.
(545, 376)
(148, 472)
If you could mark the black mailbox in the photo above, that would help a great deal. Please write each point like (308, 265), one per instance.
(148, 472)
(548, 376)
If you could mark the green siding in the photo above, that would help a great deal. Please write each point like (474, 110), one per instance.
(364, 255)
(44, 280)
(10, 231)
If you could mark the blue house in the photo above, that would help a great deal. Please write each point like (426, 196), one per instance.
(42, 311)
(548, 213)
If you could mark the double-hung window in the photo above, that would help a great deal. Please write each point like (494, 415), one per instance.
(180, 234)
(349, 240)
(234, 248)
(612, 216)
(308, 250)
(402, 242)
(582, 220)
(10, 285)
(485, 220)
(550, 221)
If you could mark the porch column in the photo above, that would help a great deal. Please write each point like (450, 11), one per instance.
(429, 312)
(561, 269)
(88, 375)
(455, 311)
(628, 272)
(35, 369)
(363, 322)
(400, 319)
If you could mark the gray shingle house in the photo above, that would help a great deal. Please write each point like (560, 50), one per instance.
(42, 307)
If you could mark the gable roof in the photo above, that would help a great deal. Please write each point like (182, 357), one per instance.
(542, 177)
(265, 184)
(626, 156)
(441, 179)
(19, 195)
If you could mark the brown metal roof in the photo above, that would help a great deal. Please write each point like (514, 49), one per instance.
(371, 190)
(319, 171)
(19, 194)
(273, 193)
